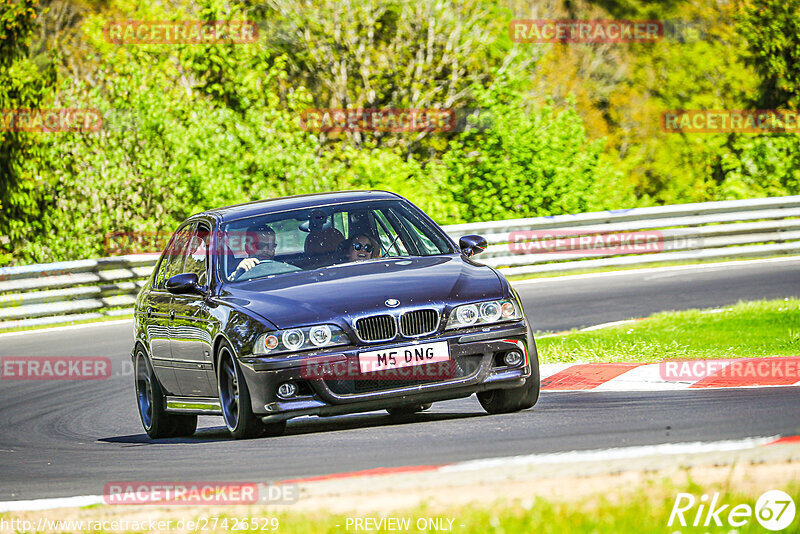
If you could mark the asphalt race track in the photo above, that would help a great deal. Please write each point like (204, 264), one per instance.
(66, 438)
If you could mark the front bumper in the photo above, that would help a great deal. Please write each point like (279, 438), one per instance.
(476, 366)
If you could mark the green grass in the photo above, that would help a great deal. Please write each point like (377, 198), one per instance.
(643, 507)
(744, 330)
(646, 509)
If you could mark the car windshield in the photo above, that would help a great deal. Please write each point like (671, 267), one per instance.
(320, 237)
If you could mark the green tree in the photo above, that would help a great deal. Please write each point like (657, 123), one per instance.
(772, 31)
(531, 161)
(392, 54)
(766, 164)
(25, 82)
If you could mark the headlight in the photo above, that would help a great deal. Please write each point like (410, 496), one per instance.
(298, 339)
(467, 315)
(320, 335)
(494, 311)
(293, 339)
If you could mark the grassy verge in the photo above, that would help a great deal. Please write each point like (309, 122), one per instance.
(644, 508)
(744, 330)
(520, 277)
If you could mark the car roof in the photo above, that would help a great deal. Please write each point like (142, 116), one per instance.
(260, 207)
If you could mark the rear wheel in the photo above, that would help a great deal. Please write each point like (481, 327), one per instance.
(234, 399)
(408, 409)
(150, 401)
(512, 400)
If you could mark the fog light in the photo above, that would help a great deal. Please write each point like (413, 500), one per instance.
(513, 358)
(287, 390)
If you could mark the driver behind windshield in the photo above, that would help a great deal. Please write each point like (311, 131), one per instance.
(260, 244)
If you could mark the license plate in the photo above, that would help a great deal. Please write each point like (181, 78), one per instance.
(407, 356)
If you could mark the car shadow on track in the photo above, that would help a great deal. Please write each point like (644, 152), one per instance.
(305, 425)
(369, 420)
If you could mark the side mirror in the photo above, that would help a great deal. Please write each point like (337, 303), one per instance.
(181, 284)
(472, 244)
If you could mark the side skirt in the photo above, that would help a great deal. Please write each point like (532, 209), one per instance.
(194, 405)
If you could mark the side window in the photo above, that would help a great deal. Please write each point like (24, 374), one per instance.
(391, 242)
(416, 233)
(196, 254)
(427, 246)
(340, 222)
(172, 262)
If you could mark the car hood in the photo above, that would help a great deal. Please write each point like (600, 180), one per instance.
(343, 291)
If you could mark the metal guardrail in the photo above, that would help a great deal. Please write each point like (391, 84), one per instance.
(87, 289)
(51, 293)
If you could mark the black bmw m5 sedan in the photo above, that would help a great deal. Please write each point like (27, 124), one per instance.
(323, 304)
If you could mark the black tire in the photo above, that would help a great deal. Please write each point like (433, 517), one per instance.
(409, 409)
(234, 398)
(497, 401)
(150, 402)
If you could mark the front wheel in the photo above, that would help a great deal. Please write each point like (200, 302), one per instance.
(234, 399)
(150, 401)
(513, 400)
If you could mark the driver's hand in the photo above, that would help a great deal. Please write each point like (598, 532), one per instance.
(247, 264)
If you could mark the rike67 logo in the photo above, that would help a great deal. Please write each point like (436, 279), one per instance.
(774, 510)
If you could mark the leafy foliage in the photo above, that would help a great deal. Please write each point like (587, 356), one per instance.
(24, 84)
(560, 128)
(772, 31)
(530, 162)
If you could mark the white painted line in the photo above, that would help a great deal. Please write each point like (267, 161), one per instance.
(68, 327)
(572, 277)
(49, 504)
(604, 455)
(593, 327)
(608, 325)
(596, 455)
(553, 334)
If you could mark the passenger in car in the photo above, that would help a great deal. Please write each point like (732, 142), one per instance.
(359, 248)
